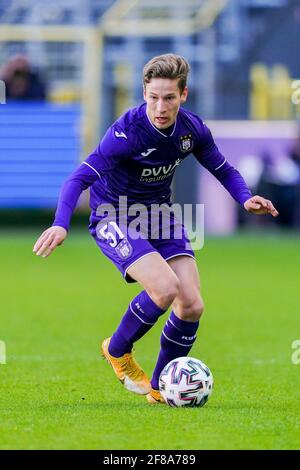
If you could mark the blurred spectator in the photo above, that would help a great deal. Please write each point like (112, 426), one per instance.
(22, 83)
(280, 181)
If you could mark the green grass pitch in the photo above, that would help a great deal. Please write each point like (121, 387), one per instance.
(57, 393)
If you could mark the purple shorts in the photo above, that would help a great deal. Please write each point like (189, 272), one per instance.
(124, 245)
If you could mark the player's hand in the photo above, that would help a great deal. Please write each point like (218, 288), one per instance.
(259, 205)
(49, 240)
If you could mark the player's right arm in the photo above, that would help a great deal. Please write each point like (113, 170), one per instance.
(49, 240)
(83, 177)
(104, 159)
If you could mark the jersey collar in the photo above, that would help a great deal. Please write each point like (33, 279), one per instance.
(157, 130)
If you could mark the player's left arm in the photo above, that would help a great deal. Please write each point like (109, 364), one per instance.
(260, 206)
(208, 154)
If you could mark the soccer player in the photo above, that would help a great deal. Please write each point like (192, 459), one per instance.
(137, 158)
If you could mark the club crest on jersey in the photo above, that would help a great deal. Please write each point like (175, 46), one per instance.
(186, 143)
(124, 249)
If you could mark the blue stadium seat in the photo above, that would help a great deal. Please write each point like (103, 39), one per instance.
(39, 148)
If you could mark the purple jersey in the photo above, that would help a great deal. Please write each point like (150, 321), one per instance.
(137, 160)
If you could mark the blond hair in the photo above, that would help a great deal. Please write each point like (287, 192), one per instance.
(170, 66)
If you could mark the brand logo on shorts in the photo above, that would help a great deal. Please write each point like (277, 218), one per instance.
(186, 143)
(124, 249)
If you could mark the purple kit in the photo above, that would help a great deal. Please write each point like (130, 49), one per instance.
(137, 160)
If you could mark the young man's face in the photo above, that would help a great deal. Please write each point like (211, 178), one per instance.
(163, 99)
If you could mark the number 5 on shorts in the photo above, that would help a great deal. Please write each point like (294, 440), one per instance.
(111, 232)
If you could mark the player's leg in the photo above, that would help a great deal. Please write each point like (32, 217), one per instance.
(161, 287)
(179, 332)
(138, 261)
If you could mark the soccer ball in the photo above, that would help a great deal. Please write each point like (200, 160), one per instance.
(186, 381)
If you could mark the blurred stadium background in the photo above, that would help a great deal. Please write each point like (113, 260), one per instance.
(85, 59)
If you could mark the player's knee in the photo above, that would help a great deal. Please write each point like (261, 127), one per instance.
(191, 311)
(198, 309)
(164, 294)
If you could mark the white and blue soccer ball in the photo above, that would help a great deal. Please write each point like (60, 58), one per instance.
(186, 381)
